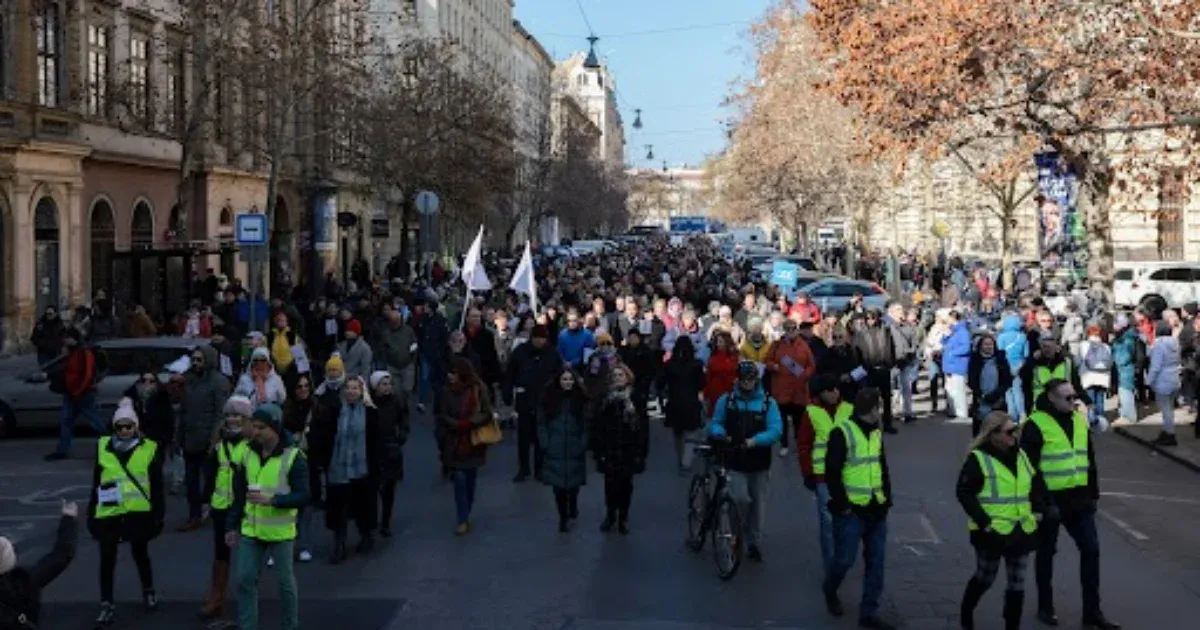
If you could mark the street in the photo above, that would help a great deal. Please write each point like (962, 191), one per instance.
(516, 571)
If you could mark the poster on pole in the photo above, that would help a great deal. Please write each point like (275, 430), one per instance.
(1062, 234)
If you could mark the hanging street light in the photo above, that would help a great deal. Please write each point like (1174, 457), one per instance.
(649, 151)
(592, 62)
(637, 119)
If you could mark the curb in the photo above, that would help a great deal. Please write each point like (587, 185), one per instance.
(1171, 455)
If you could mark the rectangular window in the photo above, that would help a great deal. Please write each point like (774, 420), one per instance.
(98, 54)
(4, 50)
(139, 76)
(173, 120)
(49, 52)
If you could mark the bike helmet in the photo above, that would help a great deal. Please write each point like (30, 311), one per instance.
(747, 369)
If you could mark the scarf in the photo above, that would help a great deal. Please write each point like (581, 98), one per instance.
(331, 385)
(349, 460)
(124, 445)
(629, 415)
(260, 373)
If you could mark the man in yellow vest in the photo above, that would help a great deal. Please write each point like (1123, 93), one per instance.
(269, 489)
(812, 440)
(860, 495)
(226, 458)
(1057, 443)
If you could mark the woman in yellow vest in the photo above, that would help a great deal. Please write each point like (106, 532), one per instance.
(1004, 497)
(223, 462)
(127, 505)
(812, 440)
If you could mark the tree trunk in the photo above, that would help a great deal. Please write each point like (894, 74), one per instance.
(1006, 256)
(1099, 229)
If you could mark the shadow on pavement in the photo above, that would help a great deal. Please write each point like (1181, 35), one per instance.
(361, 614)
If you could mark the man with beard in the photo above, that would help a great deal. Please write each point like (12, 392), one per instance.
(205, 391)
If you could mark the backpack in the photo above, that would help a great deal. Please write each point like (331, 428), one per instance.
(1098, 357)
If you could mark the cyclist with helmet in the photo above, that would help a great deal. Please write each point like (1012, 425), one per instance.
(750, 420)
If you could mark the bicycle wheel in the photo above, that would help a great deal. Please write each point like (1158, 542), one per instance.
(727, 538)
(698, 494)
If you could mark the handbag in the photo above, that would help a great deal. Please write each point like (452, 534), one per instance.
(487, 434)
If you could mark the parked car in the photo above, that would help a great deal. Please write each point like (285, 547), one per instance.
(26, 399)
(1157, 285)
(804, 262)
(592, 247)
(833, 294)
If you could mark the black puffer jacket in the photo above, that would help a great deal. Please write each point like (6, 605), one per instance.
(620, 439)
(21, 588)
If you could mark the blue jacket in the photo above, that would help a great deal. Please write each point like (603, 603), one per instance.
(571, 345)
(1012, 341)
(956, 350)
(751, 403)
(1124, 351)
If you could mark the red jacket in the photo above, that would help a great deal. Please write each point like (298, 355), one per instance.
(809, 312)
(79, 373)
(720, 377)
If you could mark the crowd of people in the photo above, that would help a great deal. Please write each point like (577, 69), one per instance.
(313, 414)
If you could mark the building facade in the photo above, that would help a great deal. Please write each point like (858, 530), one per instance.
(656, 195)
(532, 69)
(594, 88)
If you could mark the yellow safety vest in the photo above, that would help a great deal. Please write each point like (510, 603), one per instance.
(228, 460)
(1064, 463)
(1004, 495)
(822, 425)
(1043, 375)
(862, 474)
(118, 493)
(265, 522)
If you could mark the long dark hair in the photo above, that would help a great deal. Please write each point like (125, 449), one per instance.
(684, 351)
(552, 395)
(465, 371)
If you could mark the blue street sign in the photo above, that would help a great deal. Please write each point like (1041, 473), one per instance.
(251, 229)
(784, 274)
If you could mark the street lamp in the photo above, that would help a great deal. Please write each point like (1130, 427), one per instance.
(592, 62)
(637, 120)
(649, 151)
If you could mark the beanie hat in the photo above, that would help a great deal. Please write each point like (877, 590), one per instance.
(541, 331)
(8, 556)
(377, 378)
(866, 400)
(354, 327)
(239, 406)
(260, 354)
(125, 412)
(335, 363)
(271, 415)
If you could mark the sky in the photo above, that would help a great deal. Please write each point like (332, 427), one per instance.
(678, 78)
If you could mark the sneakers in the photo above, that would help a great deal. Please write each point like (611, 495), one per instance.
(1047, 617)
(783, 451)
(832, 603)
(305, 555)
(150, 599)
(609, 520)
(1099, 622)
(270, 561)
(108, 615)
(623, 526)
(1165, 439)
(463, 529)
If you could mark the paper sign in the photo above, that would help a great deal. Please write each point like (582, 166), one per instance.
(645, 326)
(784, 274)
(301, 359)
(858, 373)
(226, 366)
(791, 365)
(331, 328)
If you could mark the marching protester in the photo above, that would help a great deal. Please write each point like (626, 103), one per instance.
(620, 442)
(228, 455)
(826, 412)
(299, 412)
(562, 429)
(21, 586)
(532, 366)
(791, 365)
(345, 443)
(683, 383)
(205, 391)
(391, 409)
(261, 383)
(463, 407)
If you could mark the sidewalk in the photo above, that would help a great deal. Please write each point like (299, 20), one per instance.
(1143, 432)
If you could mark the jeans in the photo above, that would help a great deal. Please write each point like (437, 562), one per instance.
(907, 376)
(1082, 527)
(425, 383)
(749, 489)
(1095, 399)
(1166, 404)
(790, 415)
(1128, 404)
(825, 520)
(304, 528)
(1014, 398)
(71, 410)
(108, 566)
(956, 394)
(527, 442)
(193, 480)
(250, 554)
(936, 381)
(847, 531)
(464, 492)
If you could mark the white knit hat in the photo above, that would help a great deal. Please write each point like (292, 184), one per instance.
(125, 412)
(239, 406)
(377, 378)
(8, 556)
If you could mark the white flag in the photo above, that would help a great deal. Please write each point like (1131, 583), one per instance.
(523, 280)
(473, 274)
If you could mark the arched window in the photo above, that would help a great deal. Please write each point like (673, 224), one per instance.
(141, 226)
(103, 233)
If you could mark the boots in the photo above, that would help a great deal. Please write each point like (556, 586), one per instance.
(609, 520)
(214, 608)
(970, 600)
(623, 522)
(339, 549)
(1014, 603)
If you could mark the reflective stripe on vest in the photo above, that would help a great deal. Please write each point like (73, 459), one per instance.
(1043, 375)
(863, 473)
(1064, 463)
(1005, 496)
(228, 459)
(112, 473)
(822, 426)
(265, 522)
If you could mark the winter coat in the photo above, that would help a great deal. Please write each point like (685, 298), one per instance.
(457, 416)
(732, 329)
(140, 326)
(904, 343)
(483, 342)
(619, 437)
(1089, 378)
(956, 350)
(720, 375)
(201, 412)
(392, 413)
(274, 389)
(786, 386)
(531, 370)
(357, 357)
(1012, 341)
(970, 482)
(141, 526)
(323, 433)
(47, 336)
(974, 380)
(683, 382)
(563, 439)
(1124, 351)
(433, 335)
(573, 343)
(596, 370)
(156, 414)
(641, 362)
(759, 354)
(875, 348)
(1163, 375)
(21, 588)
(699, 341)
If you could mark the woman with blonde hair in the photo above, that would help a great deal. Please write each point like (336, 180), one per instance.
(1004, 497)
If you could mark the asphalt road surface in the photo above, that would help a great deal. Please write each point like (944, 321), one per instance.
(516, 571)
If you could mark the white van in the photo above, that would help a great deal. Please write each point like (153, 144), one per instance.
(1157, 285)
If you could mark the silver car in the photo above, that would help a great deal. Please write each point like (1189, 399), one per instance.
(833, 294)
(26, 399)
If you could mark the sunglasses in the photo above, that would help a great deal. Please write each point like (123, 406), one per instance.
(124, 426)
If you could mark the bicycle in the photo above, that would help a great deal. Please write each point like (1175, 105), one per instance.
(712, 510)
